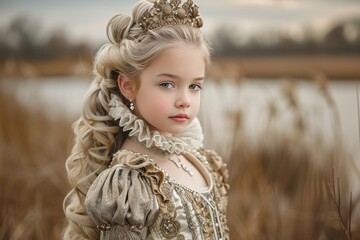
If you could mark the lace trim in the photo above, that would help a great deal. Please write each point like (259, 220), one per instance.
(191, 138)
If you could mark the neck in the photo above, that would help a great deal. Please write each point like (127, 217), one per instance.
(156, 154)
(141, 147)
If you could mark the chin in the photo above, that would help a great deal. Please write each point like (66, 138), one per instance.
(173, 131)
(180, 131)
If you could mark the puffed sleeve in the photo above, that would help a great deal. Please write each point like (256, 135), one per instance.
(121, 201)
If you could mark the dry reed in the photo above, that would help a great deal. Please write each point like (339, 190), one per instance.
(33, 183)
(291, 184)
(282, 187)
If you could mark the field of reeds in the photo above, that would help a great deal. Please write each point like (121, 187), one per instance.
(33, 182)
(288, 184)
(292, 182)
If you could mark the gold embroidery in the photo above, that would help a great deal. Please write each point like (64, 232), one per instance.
(220, 176)
(209, 207)
(180, 237)
(104, 227)
(171, 207)
(169, 227)
(190, 218)
(219, 169)
(167, 190)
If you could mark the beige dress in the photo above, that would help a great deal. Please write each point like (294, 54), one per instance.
(136, 199)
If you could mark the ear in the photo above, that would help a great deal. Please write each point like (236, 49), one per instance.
(126, 86)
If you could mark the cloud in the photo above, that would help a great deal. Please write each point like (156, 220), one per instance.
(87, 19)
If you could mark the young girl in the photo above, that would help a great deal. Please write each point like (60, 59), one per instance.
(138, 169)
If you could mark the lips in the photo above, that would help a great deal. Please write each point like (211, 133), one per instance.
(182, 117)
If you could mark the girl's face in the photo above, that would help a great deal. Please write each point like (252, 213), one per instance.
(168, 97)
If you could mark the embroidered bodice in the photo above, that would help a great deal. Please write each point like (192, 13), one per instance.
(135, 199)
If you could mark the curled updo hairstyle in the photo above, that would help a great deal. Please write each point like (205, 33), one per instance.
(97, 135)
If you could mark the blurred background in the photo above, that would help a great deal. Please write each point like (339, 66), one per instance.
(280, 104)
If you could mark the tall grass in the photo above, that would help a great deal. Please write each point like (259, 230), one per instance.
(33, 183)
(289, 184)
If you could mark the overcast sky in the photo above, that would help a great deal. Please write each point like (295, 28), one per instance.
(86, 19)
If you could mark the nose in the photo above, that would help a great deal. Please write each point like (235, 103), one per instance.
(183, 100)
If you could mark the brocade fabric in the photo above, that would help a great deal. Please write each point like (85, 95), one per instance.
(135, 199)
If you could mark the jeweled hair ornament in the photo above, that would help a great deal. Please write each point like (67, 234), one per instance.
(171, 12)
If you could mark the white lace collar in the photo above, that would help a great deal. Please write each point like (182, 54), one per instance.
(192, 138)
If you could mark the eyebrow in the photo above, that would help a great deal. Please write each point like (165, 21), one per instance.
(177, 77)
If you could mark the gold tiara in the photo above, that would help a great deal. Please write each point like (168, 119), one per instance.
(171, 12)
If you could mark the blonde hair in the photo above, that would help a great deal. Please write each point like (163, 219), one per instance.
(97, 135)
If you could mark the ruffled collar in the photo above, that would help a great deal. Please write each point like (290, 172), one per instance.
(191, 139)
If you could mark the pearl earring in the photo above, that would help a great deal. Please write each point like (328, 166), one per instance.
(132, 106)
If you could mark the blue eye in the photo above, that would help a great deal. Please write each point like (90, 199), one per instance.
(195, 87)
(167, 85)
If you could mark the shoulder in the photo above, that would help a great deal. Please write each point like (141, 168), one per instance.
(219, 169)
(130, 159)
(122, 194)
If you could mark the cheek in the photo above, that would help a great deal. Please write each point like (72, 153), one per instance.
(158, 106)
(153, 103)
(196, 102)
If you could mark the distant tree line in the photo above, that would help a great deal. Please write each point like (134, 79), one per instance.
(336, 41)
(23, 38)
